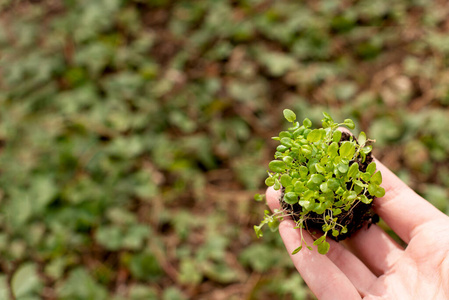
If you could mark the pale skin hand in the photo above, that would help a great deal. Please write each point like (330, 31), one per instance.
(371, 265)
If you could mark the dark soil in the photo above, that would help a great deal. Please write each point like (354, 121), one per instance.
(354, 219)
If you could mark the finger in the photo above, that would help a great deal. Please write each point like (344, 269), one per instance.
(375, 248)
(272, 197)
(357, 273)
(322, 276)
(401, 208)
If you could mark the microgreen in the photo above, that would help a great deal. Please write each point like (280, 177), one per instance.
(321, 173)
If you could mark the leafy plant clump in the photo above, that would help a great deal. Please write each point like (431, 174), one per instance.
(327, 177)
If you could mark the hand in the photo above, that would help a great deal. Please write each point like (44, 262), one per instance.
(370, 264)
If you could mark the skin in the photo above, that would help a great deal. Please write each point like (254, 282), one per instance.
(371, 265)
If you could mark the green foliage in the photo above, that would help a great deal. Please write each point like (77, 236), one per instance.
(157, 117)
(80, 285)
(26, 283)
(321, 173)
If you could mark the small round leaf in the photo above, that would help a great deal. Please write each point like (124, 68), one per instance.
(258, 197)
(327, 116)
(307, 123)
(303, 171)
(371, 168)
(269, 181)
(277, 166)
(289, 115)
(314, 136)
(376, 178)
(323, 248)
(258, 231)
(286, 180)
(336, 136)
(362, 138)
(343, 168)
(287, 142)
(347, 150)
(291, 198)
(349, 123)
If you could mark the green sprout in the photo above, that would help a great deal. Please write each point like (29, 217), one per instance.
(325, 176)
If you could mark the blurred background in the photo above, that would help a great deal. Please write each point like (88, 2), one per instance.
(135, 133)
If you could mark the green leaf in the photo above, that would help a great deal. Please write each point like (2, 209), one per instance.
(269, 181)
(277, 184)
(307, 123)
(349, 123)
(4, 286)
(353, 170)
(307, 195)
(319, 168)
(333, 184)
(324, 187)
(366, 177)
(332, 150)
(135, 236)
(380, 192)
(297, 250)
(364, 199)
(303, 171)
(258, 197)
(336, 136)
(327, 116)
(299, 187)
(291, 198)
(351, 195)
(80, 284)
(358, 189)
(376, 190)
(110, 237)
(371, 168)
(314, 136)
(289, 115)
(277, 166)
(285, 134)
(273, 224)
(288, 160)
(306, 150)
(323, 248)
(343, 168)
(25, 281)
(281, 148)
(340, 191)
(362, 138)
(295, 126)
(359, 183)
(298, 132)
(317, 178)
(367, 149)
(319, 240)
(258, 231)
(376, 178)
(287, 142)
(306, 204)
(286, 180)
(347, 150)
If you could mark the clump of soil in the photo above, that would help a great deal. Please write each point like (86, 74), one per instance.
(354, 219)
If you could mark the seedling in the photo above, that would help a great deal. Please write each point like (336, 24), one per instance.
(327, 179)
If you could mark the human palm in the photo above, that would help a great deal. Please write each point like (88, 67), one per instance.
(370, 264)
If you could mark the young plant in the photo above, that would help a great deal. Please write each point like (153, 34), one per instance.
(327, 179)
